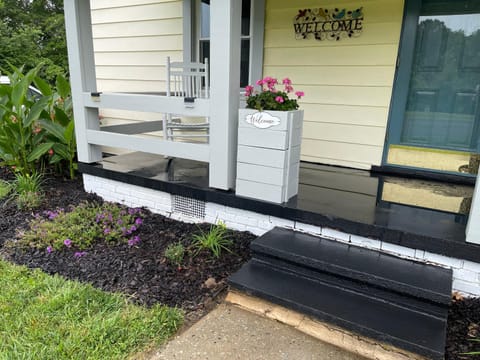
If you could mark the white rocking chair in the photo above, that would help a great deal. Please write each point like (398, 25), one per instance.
(188, 80)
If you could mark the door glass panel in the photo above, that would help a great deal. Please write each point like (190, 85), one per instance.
(440, 126)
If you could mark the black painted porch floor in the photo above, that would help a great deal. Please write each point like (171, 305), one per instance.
(421, 214)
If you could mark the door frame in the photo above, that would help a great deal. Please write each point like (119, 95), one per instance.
(401, 82)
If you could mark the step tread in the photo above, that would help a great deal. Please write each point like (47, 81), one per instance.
(370, 266)
(371, 317)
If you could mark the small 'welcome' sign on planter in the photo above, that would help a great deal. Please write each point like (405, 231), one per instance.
(331, 24)
(262, 120)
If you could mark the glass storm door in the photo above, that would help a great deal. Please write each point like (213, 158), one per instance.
(436, 104)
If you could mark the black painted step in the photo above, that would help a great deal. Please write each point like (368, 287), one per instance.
(376, 269)
(361, 288)
(411, 330)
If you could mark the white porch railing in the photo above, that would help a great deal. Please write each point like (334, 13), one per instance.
(221, 108)
(148, 103)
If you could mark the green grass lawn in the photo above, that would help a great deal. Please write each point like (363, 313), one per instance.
(48, 317)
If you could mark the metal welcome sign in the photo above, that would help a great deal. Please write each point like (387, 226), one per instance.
(331, 24)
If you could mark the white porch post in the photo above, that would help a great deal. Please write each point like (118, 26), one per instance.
(473, 225)
(78, 26)
(225, 16)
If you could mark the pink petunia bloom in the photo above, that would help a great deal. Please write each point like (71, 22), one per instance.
(248, 90)
(287, 81)
(259, 82)
(288, 88)
(279, 99)
(299, 94)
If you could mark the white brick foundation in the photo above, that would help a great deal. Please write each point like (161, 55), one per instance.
(466, 274)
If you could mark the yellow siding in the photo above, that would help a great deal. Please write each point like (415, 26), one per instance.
(132, 39)
(348, 83)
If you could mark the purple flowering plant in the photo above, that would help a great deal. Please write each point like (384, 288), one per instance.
(270, 97)
(81, 226)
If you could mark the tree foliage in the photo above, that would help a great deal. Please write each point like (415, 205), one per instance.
(33, 32)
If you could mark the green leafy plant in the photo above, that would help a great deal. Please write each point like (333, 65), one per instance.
(270, 98)
(175, 253)
(39, 129)
(28, 190)
(58, 124)
(215, 240)
(82, 226)
(20, 138)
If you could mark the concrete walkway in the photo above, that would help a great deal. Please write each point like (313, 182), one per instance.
(232, 333)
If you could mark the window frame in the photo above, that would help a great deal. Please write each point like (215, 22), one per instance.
(191, 38)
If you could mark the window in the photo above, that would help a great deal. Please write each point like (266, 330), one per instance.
(203, 36)
(435, 115)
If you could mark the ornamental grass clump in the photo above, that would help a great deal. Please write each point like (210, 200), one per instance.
(215, 240)
(28, 189)
(271, 98)
(81, 226)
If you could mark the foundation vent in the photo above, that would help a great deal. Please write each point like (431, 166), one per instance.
(189, 207)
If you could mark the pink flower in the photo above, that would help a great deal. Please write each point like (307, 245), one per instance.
(67, 242)
(287, 81)
(279, 99)
(288, 88)
(80, 254)
(49, 249)
(248, 90)
(259, 82)
(299, 94)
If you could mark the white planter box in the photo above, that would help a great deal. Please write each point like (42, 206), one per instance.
(268, 158)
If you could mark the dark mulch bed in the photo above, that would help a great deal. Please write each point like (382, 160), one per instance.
(140, 271)
(463, 326)
(143, 273)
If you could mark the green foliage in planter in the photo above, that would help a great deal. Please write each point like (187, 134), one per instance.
(215, 240)
(82, 226)
(175, 253)
(270, 98)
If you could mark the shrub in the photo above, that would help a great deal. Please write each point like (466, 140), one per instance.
(175, 253)
(214, 240)
(82, 226)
